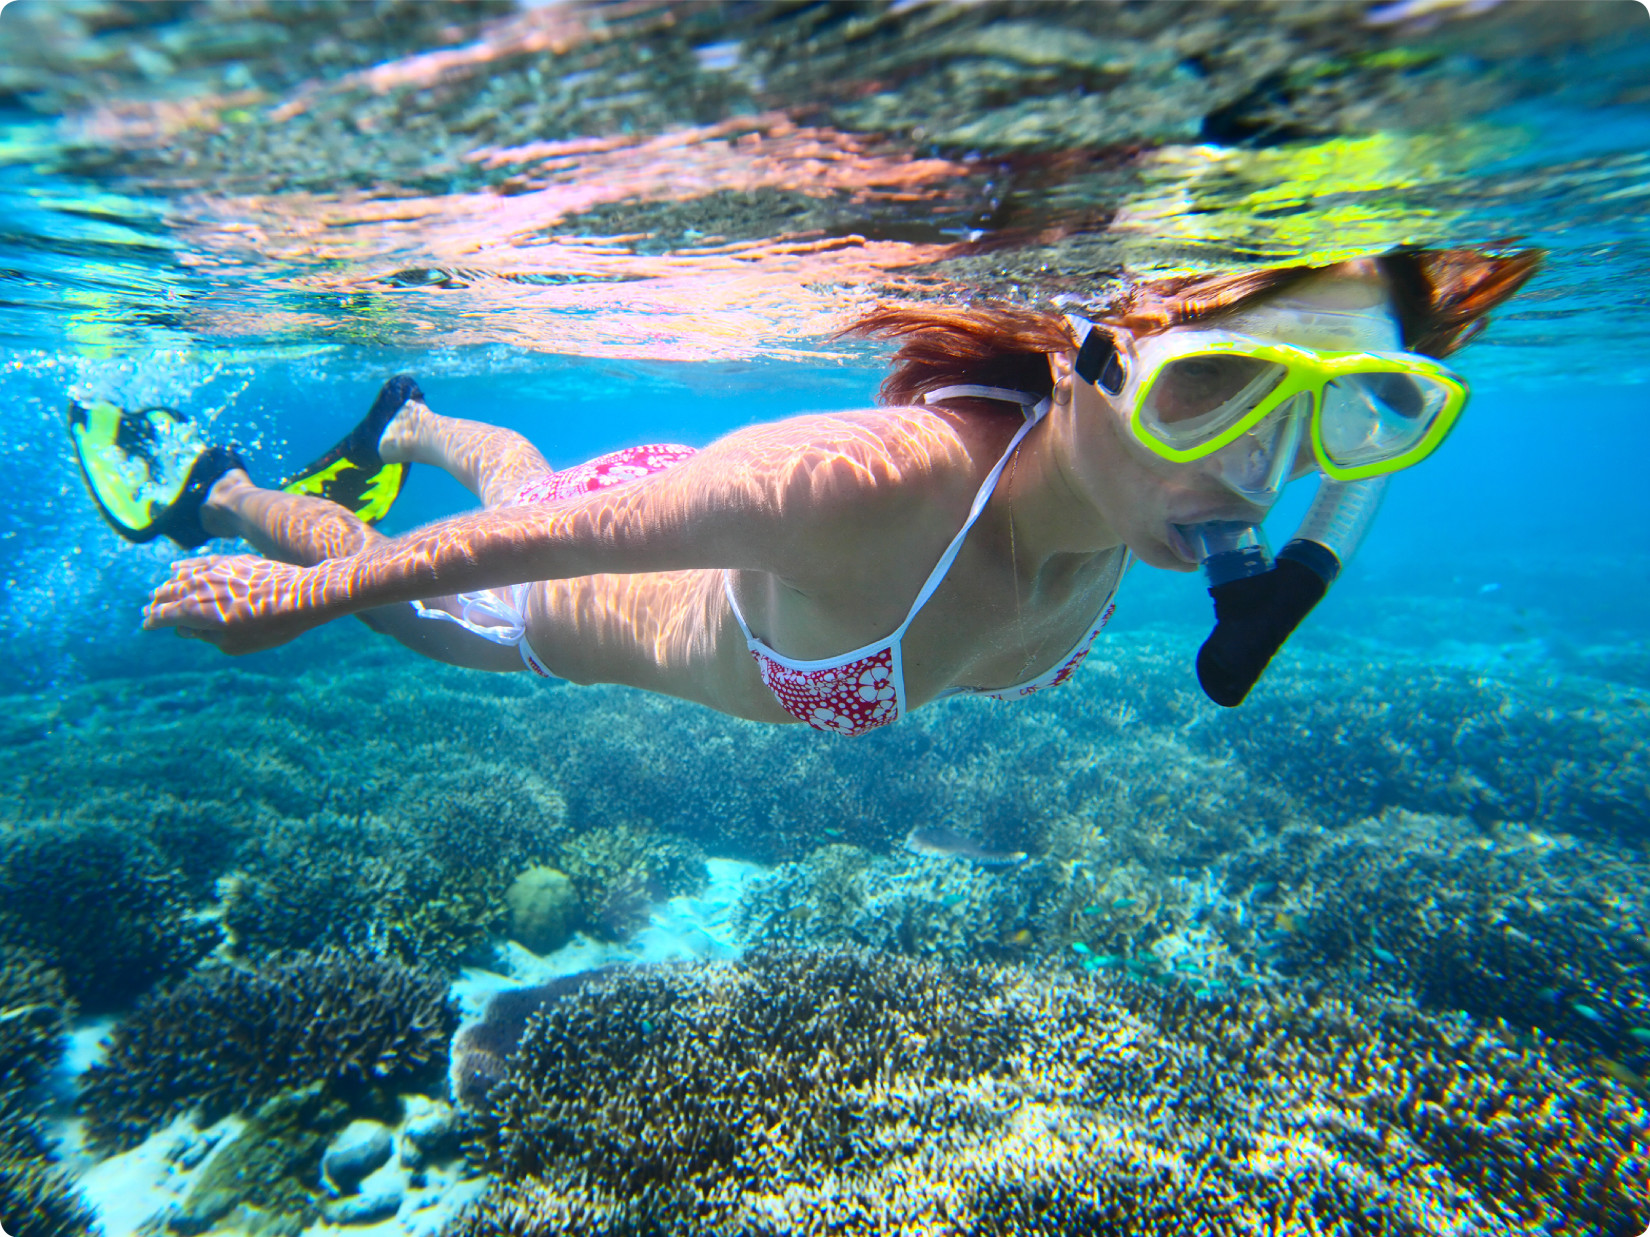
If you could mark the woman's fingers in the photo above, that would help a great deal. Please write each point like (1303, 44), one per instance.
(240, 603)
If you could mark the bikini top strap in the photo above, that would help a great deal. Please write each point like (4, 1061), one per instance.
(1036, 408)
(727, 587)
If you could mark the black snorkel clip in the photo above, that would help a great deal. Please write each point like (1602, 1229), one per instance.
(1260, 601)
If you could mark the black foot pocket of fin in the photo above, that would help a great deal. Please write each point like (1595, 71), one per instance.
(352, 474)
(182, 520)
(148, 470)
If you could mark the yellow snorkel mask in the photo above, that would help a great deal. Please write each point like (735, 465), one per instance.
(1243, 402)
(1193, 394)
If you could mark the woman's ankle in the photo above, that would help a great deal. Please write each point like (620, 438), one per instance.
(220, 512)
(404, 433)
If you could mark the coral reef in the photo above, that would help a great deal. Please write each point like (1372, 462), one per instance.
(482, 1051)
(36, 1198)
(1566, 755)
(643, 1074)
(272, 1166)
(1537, 930)
(921, 906)
(425, 878)
(34, 1016)
(851, 1091)
(229, 1037)
(101, 904)
(620, 870)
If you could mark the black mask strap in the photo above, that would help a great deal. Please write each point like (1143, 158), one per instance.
(1097, 361)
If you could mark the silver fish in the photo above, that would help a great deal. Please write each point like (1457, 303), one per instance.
(949, 844)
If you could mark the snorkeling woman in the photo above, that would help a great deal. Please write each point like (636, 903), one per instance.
(966, 536)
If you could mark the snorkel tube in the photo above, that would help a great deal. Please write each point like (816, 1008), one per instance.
(1259, 602)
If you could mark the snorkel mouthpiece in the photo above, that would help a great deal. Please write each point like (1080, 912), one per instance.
(1259, 603)
(1228, 549)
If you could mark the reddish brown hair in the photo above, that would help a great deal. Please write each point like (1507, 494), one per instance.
(1441, 297)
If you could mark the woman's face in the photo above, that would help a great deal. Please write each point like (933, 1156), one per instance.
(1143, 496)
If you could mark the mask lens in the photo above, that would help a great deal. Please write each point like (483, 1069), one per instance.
(1369, 418)
(1195, 397)
(1257, 464)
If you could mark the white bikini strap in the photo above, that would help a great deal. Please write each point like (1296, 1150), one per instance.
(1035, 409)
(727, 587)
(508, 625)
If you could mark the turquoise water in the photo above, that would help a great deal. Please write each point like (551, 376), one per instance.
(1368, 952)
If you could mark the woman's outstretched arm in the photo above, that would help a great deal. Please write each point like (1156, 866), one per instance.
(780, 498)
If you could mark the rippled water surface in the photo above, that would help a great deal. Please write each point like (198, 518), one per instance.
(723, 181)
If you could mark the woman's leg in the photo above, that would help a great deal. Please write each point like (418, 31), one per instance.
(299, 529)
(492, 463)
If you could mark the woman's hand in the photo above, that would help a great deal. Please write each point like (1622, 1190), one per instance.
(241, 604)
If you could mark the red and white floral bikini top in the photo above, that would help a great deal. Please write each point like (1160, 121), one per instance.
(857, 692)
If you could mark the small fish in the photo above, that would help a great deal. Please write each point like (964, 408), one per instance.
(1618, 1071)
(1285, 922)
(1020, 939)
(1489, 588)
(1078, 947)
(951, 899)
(1158, 800)
(1118, 904)
(1640, 1034)
(1385, 955)
(949, 844)
(647, 1027)
(1091, 909)
(831, 833)
(1587, 1011)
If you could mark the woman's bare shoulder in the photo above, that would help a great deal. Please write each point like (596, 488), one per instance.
(871, 448)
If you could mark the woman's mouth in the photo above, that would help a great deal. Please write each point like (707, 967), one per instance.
(1181, 546)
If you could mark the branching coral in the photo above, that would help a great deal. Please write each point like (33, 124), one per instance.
(695, 1079)
(429, 887)
(621, 870)
(1541, 931)
(39, 1200)
(229, 1037)
(35, 1197)
(844, 1091)
(102, 904)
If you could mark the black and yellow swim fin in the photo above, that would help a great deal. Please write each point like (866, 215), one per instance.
(148, 470)
(352, 474)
